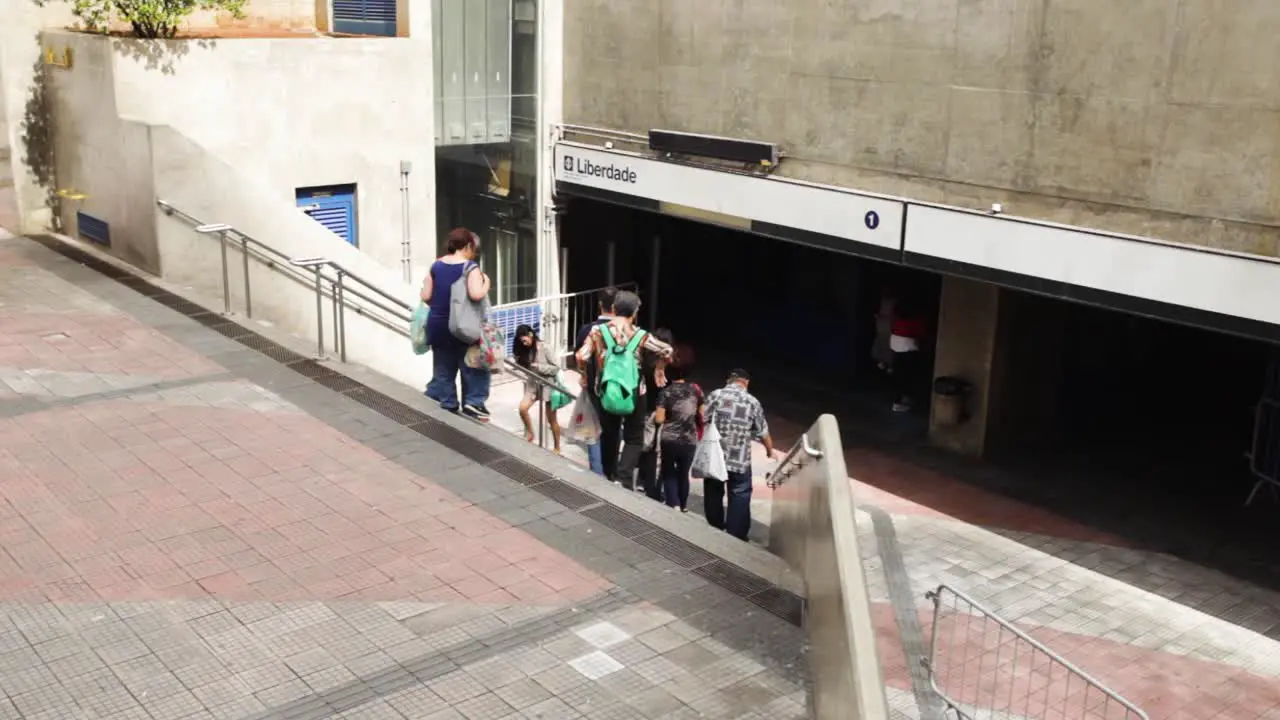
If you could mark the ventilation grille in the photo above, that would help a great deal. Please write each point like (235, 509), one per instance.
(93, 228)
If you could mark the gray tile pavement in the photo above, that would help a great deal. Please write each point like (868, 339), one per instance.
(658, 643)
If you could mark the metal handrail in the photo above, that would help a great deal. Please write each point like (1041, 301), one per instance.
(528, 374)
(813, 527)
(315, 266)
(985, 696)
(790, 462)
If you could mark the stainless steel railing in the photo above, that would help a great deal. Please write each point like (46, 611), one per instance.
(980, 666)
(327, 277)
(566, 312)
(985, 668)
(813, 529)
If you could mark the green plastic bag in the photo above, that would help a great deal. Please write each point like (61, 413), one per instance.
(418, 329)
(559, 399)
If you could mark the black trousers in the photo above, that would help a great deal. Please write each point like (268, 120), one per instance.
(906, 374)
(677, 458)
(627, 433)
(648, 472)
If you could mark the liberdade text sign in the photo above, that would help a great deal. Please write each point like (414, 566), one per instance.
(828, 211)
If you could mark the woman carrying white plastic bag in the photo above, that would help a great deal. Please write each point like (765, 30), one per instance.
(708, 458)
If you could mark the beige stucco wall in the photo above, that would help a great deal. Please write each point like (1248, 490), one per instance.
(24, 206)
(20, 24)
(194, 179)
(225, 139)
(1149, 117)
(99, 155)
(292, 113)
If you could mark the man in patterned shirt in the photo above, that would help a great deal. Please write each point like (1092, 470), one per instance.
(739, 417)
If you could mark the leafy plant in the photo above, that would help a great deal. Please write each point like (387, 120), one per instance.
(149, 18)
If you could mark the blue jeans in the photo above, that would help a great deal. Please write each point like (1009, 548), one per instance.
(737, 522)
(446, 360)
(594, 459)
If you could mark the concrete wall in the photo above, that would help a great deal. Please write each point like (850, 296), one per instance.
(968, 322)
(1151, 117)
(198, 182)
(289, 112)
(8, 198)
(123, 163)
(24, 209)
(100, 155)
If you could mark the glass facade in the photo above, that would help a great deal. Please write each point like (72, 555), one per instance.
(487, 135)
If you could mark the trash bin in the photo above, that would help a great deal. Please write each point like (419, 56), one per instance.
(949, 396)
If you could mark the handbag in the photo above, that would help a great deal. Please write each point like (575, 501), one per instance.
(651, 432)
(418, 329)
(708, 457)
(490, 351)
(584, 426)
(559, 399)
(466, 316)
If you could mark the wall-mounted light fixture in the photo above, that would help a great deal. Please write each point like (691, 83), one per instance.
(711, 146)
(58, 59)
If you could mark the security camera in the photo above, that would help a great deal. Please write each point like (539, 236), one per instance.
(996, 208)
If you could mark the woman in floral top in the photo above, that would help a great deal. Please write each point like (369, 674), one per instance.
(679, 410)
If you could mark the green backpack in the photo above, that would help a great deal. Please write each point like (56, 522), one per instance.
(620, 376)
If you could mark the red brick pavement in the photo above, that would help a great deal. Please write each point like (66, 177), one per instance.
(978, 665)
(900, 488)
(130, 501)
(95, 342)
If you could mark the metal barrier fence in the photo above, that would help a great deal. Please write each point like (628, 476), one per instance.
(984, 668)
(564, 314)
(813, 529)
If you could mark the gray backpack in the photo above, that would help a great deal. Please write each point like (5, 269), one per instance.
(466, 316)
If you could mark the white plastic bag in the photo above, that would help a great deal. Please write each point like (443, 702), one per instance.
(708, 457)
(584, 426)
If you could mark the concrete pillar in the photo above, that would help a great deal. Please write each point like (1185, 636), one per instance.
(1025, 396)
(968, 324)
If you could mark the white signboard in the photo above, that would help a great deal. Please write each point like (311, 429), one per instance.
(841, 214)
(1227, 284)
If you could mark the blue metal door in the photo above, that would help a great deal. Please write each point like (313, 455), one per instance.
(365, 17)
(333, 207)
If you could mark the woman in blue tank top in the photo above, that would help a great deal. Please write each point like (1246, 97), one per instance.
(447, 352)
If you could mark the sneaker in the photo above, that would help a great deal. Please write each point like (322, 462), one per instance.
(901, 407)
(470, 412)
(477, 411)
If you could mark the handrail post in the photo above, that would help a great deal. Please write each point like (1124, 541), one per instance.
(316, 264)
(333, 296)
(319, 314)
(542, 423)
(226, 275)
(244, 253)
(220, 230)
(340, 315)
